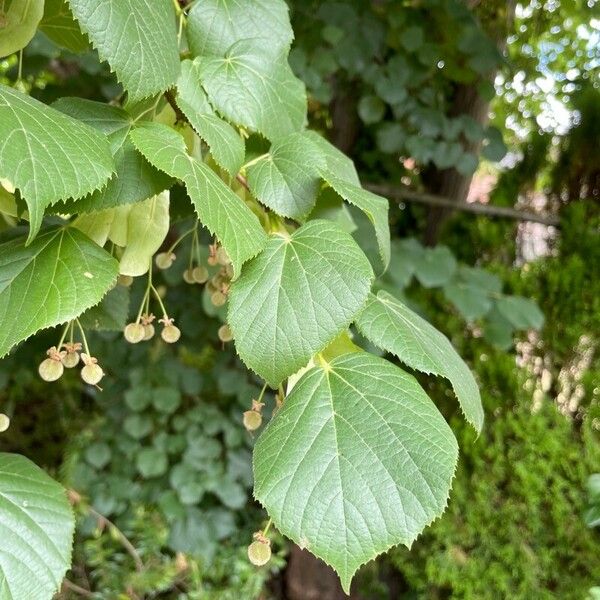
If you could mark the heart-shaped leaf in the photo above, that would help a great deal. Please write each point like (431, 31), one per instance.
(296, 296)
(357, 460)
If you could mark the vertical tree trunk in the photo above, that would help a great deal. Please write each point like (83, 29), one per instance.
(496, 18)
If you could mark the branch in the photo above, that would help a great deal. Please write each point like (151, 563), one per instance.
(170, 97)
(400, 194)
(69, 585)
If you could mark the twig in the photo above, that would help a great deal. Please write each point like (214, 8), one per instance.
(75, 498)
(399, 194)
(242, 180)
(139, 565)
(77, 589)
(170, 97)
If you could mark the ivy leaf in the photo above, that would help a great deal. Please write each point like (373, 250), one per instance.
(521, 312)
(220, 210)
(60, 26)
(287, 179)
(391, 325)
(135, 178)
(53, 280)
(36, 525)
(337, 162)
(357, 460)
(254, 87)
(296, 297)
(18, 22)
(225, 143)
(137, 38)
(374, 206)
(147, 227)
(435, 266)
(214, 25)
(47, 155)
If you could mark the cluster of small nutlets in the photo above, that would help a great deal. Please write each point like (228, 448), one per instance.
(259, 551)
(68, 356)
(217, 284)
(253, 418)
(142, 330)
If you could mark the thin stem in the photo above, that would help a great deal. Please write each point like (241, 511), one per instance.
(64, 335)
(267, 526)
(85, 344)
(146, 298)
(20, 71)
(139, 565)
(254, 161)
(242, 180)
(181, 21)
(145, 112)
(262, 392)
(182, 237)
(160, 302)
(77, 589)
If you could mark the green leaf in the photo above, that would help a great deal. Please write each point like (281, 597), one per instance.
(296, 297)
(498, 330)
(147, 227)
(225, 143)
(36, 529)
(111, 314)
(47, 155)
(60, 26)
(18, 21)
(435, 266)
(151, 462)
(135, 178)
(337, 162)
(374, 206)
(357, 460)
(137, 38)
(521, 312)
(287, 179)
(371, 109)
(471, 291)
(98, 455)
(254, 87)
(220, 210)
(53, 280)
(471, 303)
(392, 326)
(214, 25)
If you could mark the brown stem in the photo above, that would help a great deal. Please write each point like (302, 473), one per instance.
(242, 180)
(400, 194)
(170, 97)
(69, 585)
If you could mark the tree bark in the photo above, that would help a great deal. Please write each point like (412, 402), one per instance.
(308, 578)
(496, 19)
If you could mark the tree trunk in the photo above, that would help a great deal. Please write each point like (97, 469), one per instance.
(308, 578)
(449, 182)
(496, 20)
